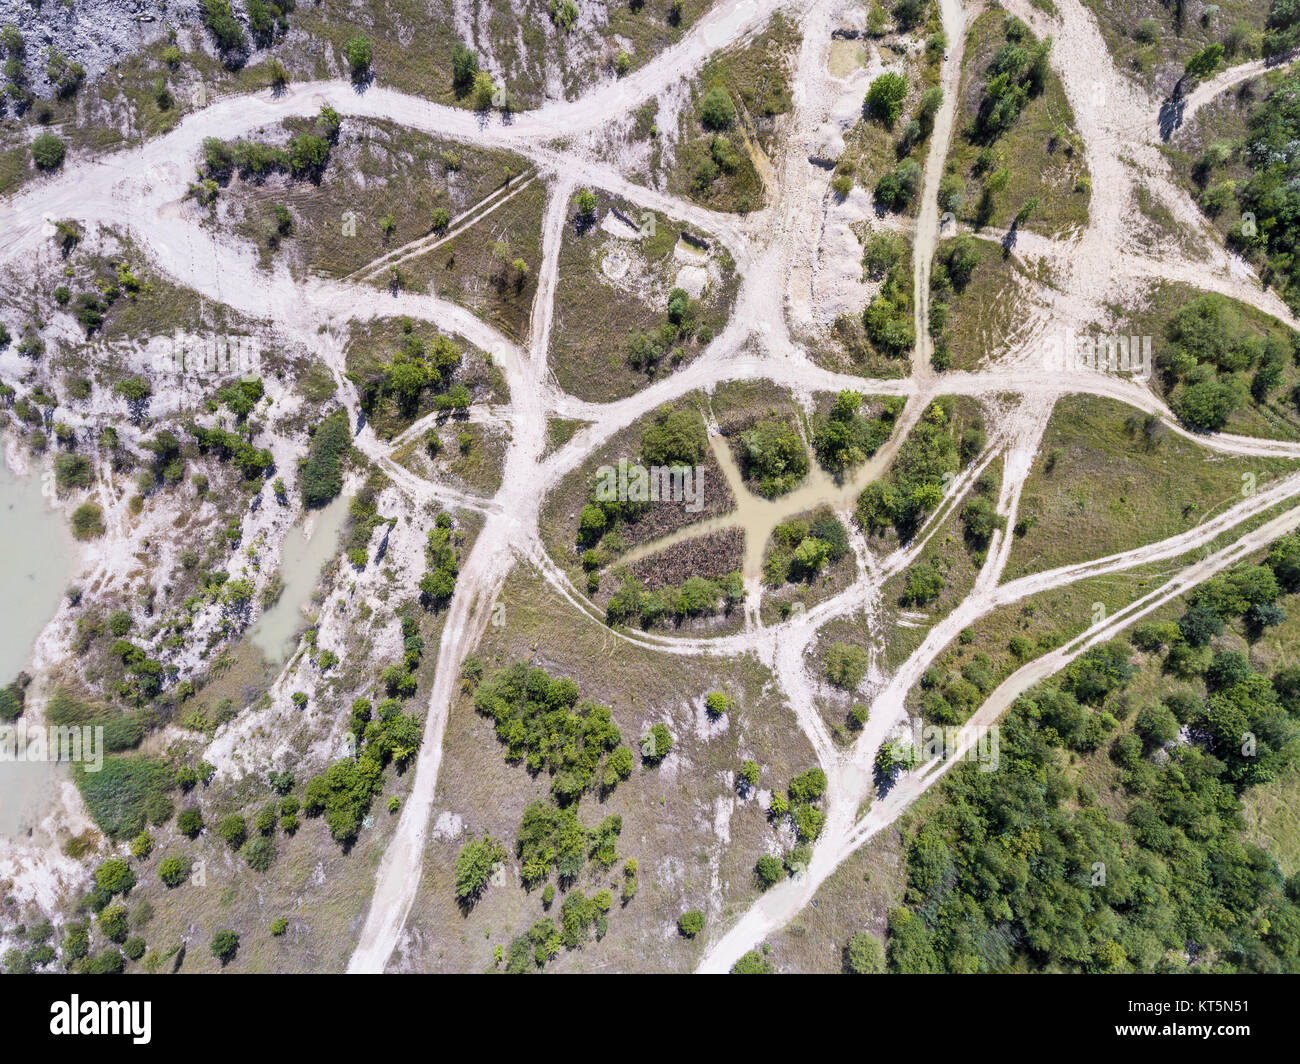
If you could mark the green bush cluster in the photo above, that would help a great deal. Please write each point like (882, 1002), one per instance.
(542, 721)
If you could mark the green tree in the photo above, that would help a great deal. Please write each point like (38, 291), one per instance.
(864, 954)
(225, 944)
(48, 151)
(753, 963)
(464, 65)
(474, 865)
(656, 743)
(115, 876)
(769, 870)
(717, 112)
(359, 53)
(884, 100)
(174, 870)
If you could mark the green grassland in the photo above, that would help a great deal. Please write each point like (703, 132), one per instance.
(723, 166)
(1098, 486)
(596, 316)
(695, 840)
(1040, 151)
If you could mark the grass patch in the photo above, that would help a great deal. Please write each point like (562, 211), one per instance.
(1100, 486)
(1039, 157)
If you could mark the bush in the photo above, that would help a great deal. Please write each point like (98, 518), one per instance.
(585, 205)
(88, 521)
(716, 703)
(189, 822)
(359, 53)
(769, 870)
(676, 438)
(1157, 726)
(691, 923)
(885, 98)
(113, 923)
(474, 865)
(753, 963)
(225, 944)
(464, 65)
(220, 20)
(656, 743)
(717, 112)
(48, 151)
(864, 954)
(846, 665)
(115, 876)
(233, 830)
(174, 870)
(259, 852)
(322, 476)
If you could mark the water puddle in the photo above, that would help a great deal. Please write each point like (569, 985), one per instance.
(307, 548)
(37, 552)
(756, 516)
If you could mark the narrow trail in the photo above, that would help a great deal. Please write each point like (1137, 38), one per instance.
(142, 192)
(1179, 111)
(927, 219)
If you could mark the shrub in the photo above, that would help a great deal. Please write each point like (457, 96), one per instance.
(115, 876)
(846, 665)
(717, 703)
(233, 830)
(717, 112)
(48, 151)
(464, 65)
(322, 477)
(113, 923)
(88, 521)
(753, 963)
(769, 870)
(691, 923)
(259, 852)
(864, 954)
(189, 822)
(885, 98)
(656, 743)
(225, 944)
(142, 845)
(174, 870)
(474, 865)
(359, 53)
(220, 20)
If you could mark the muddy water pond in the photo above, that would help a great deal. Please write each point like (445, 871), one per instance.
(307, 548)
(37, 554)
(758, 516)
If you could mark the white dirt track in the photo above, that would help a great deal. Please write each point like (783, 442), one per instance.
(143, 191)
